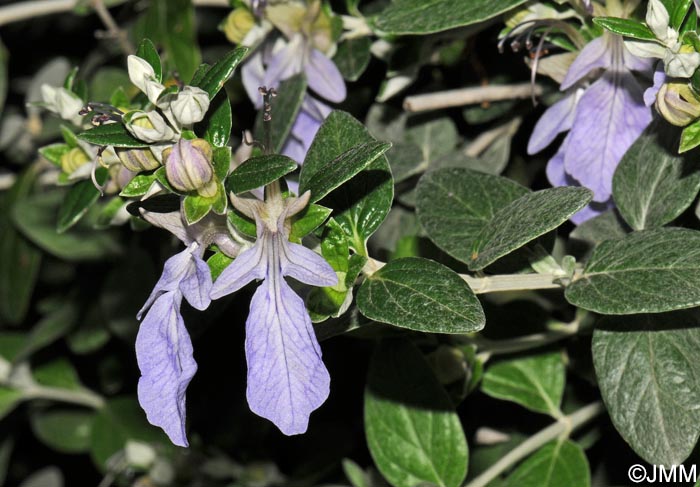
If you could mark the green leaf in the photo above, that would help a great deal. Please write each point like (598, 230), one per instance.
(147, 50)
(323, 177)
(58, 373)
(242, 223)
(49, 329)
(525, 219)
(46, 477)
(557, 463)
(218, 122)
(121, 420)
(80, 197)
(54, 152)
(455, 205)
(64, 430)
(429, 16)
(690, 137)
(219, 73)
(139, 185)
(9, 398)
(653, 184)
(308, 220)
(217, 263)
(355, 475)
(650, 381)
(3, 75)
(171, 24)
(90, 335)
(195, 208)
(413, 433)
(535, 382)
(20, 259)
(421, 295)
(362, 203)
(114, 134)
(35, 218)
(285, 107)
(646, 272)
(625, 27)
(259, 171)
(352, 57)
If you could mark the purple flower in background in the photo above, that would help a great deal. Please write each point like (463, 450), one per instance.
(272, 64)
(287, 379)
(603, 120)
(163, 346)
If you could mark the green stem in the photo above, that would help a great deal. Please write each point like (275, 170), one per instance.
(528, 342)
(564, 426)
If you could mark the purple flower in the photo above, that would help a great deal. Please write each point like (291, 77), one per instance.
(287, 379)
(603, 120)
(163, 346)
(272, 64)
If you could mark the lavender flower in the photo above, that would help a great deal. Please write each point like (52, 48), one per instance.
(603, 120)
(287, 379)
(163, 346)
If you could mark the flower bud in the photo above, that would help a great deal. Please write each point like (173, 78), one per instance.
(190, 105)
(137, 160)
(73, 159)
(143, 76)
(683, 63)
(677, 104)
(658, 20)
(238, 24)
(150, 126)
(188, 167)
(62, 102)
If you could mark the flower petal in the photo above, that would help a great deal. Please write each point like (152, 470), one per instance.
(591, 210)
(645, 49)
(249, 265)
(609, 118)
(595, 54)
(164, 355)
(305, 265)
(556, 119)
(175, 268)
(252, 75)
(196, 285)
(285, 63)
(287, 379)
(324, 77)
(555, 166)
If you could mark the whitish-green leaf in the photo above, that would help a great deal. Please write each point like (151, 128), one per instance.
(35, 218)
(428, 16)
(650, 381)
(78, 200)
(114, 134)
(653, 183)
(525, 219)
(285, 107)
(220, 72)
(64, 430)
(259, 171)
(49, 329)
(323, 177)
(558, 463)
(646, 272)
(413, 433)
(535, 382)
(454, 205)
(352, 57)
(20, 259)
(57, 373)
(421, 295)
(139, 185)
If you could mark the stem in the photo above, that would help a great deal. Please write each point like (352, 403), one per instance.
(37, 8)
(527, 342)
(494, 284)
(564, 426)
(470, 96)
(113, 29)
(80, 397)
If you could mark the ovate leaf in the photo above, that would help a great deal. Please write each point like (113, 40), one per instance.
(413, 433)
(558, 463)
(219, 73)
(650, 382)
(114, 134)
(421, 295)
(626, 27)
(259, 171)
(64, 430)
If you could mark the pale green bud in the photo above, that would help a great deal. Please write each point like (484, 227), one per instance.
(73, 159)
(190, 105)
(677, 104)
(238, 24)
(137, 160)
(150, 127)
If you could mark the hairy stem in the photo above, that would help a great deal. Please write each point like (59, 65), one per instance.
(564, 426)
(79, 397)
(469, 96)
(113, 29)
